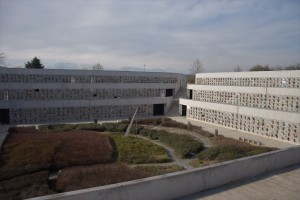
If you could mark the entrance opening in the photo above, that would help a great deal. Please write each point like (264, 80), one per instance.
(191, 94)
(169, 92)
(183, 110)
(158, 109)
(4, 116)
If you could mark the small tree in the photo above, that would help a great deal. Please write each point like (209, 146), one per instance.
(196, 67)
(2, 62)
(260, 68)
(35, 64)
(237, 69)
(98, 66)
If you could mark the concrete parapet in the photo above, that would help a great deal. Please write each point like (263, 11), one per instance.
(179, 184)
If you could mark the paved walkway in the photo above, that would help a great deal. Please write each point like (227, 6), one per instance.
(236, 134)
(282, 184)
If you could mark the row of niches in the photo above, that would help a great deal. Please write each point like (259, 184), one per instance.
(282, 102)
(283, 130)
(37, 78)
(48, 94)
(84, 113)
(257, 82)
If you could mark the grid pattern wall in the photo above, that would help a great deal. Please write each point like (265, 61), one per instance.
(38, 78)
(49, 94)
(275, 102)
(272, 128)
(55, 114)
(293, 82)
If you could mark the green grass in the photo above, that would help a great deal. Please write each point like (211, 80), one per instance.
(183, 145)
(115, 127)
(224, 149)
(138, 151)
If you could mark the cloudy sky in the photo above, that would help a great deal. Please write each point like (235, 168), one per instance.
(163, 35)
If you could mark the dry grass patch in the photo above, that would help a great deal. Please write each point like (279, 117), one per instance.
(26, 153)
(138, 151)
(76, 178)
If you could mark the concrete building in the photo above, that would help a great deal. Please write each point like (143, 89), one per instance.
(265, 103)
(44, 95)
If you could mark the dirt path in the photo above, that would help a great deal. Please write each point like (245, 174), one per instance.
(195, 135)
(175, 160)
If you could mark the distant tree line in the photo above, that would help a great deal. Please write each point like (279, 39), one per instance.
(259, 67)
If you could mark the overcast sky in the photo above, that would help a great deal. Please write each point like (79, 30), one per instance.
(164, 34)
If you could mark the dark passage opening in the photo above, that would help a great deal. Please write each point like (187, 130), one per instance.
(4, 116)
(183, 110)
(158, 109)
(191, 94)
(169, 92)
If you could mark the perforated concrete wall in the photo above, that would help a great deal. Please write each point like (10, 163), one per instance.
(264, 103)
(40, 96)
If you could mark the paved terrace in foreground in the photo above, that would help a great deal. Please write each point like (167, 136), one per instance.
(228, 132)
(282, 184)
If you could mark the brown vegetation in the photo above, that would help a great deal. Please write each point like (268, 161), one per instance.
(25, 153)
(91, 176)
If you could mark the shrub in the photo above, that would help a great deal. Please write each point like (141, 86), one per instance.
(175, 124)
(82, 148)
(26, 153)
(115, 127)
(209, 154)
(138, 151)
(91, 127)
(228, 149)
(57, 127)
(26, 186)
(23, 129)
(76, 178)
(69, 127)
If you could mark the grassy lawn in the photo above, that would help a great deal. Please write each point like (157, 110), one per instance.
(224, 149)
(183, 145)
(138, 151)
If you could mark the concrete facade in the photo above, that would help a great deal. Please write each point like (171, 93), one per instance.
(43, 96)
(264, 103)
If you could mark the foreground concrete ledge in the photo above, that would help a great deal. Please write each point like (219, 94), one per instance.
(183, 183)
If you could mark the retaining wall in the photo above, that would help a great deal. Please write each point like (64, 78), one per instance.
(180, 184)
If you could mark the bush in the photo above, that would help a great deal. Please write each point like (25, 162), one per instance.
(57, 127)
(115, 127)
(27, 153)
(229, 149)
(175, 124)
(183, 145)
(69, 127)
(26, 186)
(23, 129)
(138, 151)
(76, 178)
(91, 127)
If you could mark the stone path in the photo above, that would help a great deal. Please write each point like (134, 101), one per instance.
(236, 134)
(282, 184)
